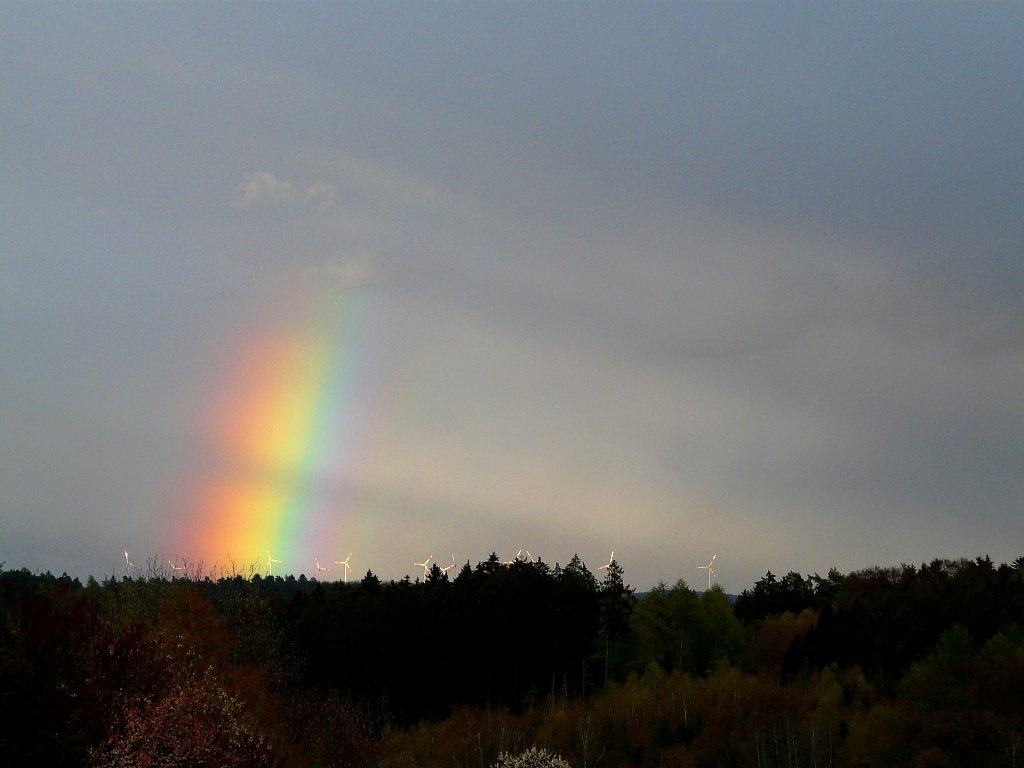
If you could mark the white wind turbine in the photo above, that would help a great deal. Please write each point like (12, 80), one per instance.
(345, 564)
(270, 564)
(709, 568)
(175, 568)
(611, 560)
(426, 566)
(514, 559)
(129, 563)
(447, 568)
(319, 568)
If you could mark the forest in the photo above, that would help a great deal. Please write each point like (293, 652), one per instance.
(910, 665)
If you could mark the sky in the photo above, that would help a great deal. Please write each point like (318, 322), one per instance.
(289, 281)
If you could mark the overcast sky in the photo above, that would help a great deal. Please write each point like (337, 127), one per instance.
(668, 279)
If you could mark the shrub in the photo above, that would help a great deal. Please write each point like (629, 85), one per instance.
(531, 758)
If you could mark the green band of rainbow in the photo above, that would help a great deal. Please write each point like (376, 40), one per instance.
(287, 437)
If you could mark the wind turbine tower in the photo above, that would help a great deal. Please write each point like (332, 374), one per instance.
(270, 564)
(426, 566)
(345, 564)
(709, 568)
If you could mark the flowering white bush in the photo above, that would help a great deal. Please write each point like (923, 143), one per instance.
(531, 758)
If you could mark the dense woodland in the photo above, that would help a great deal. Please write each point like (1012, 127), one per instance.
(915, 665)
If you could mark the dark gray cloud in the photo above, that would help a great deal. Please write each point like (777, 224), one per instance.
(665, 279)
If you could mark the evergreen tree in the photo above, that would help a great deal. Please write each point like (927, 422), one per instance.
(616, 605)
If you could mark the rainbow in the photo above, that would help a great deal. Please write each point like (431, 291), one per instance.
(286, 442)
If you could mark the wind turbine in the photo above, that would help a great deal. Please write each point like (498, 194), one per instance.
(319, 568)
(270, 564)
(345, 563)
(426, 566)
(709, 568)
(175, 568)
(129, 563)
(611, 560)
(449, 567)
(514, 559)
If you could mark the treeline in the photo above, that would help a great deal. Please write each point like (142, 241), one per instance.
(910, 665)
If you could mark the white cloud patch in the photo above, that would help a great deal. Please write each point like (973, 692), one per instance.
(320, 194)
(265, 189)
(387, 182)
(355, 272)
(261, 189)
